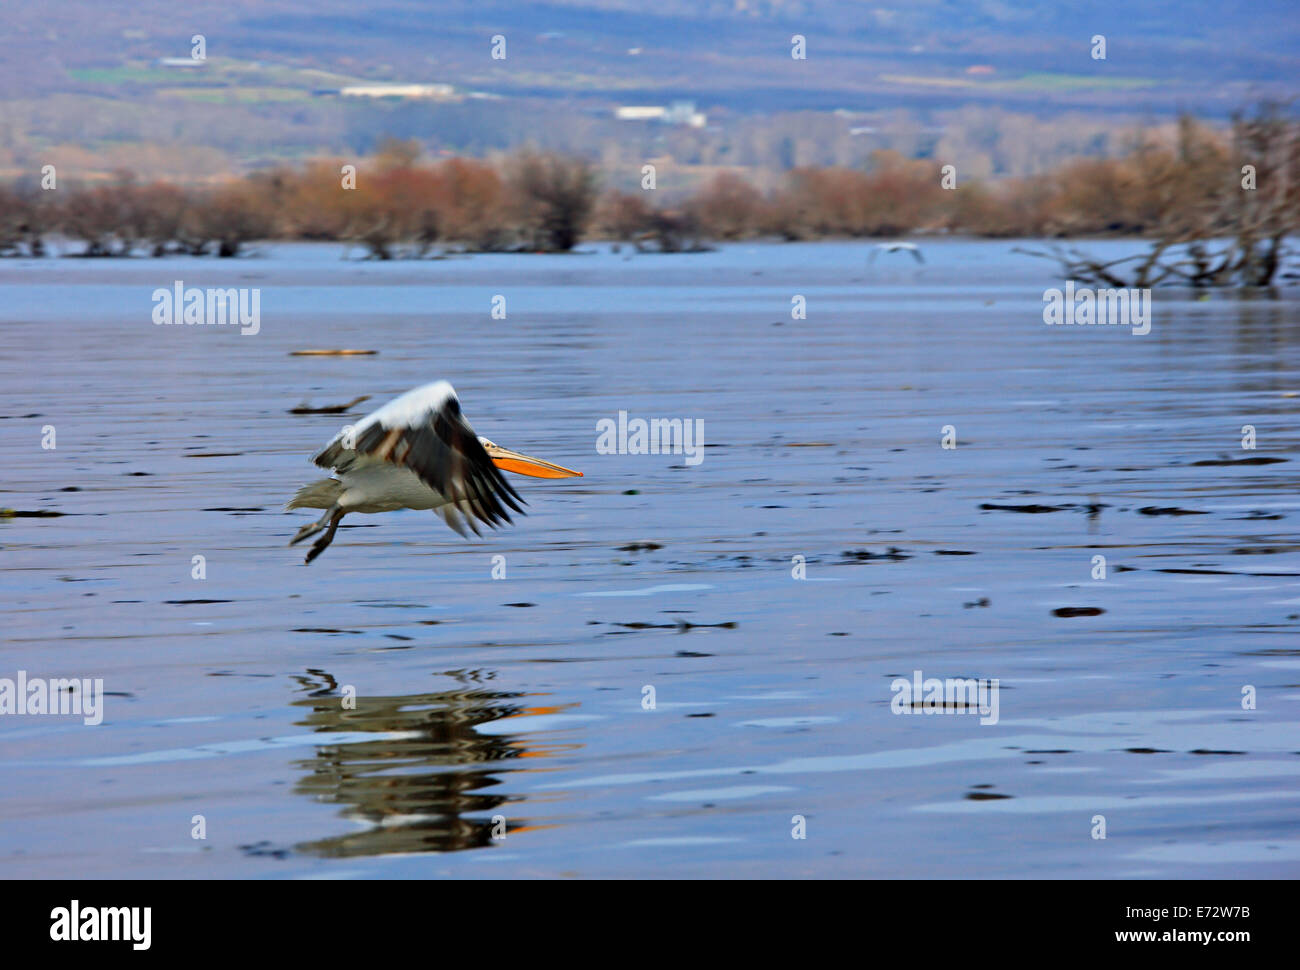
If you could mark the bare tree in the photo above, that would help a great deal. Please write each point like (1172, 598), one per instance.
(161, 212)
(232, 215)
(553, 197)
(102, 217)
(1217, 215)
(728, 207)
(622, 216)
(25, 216)
(672, 231)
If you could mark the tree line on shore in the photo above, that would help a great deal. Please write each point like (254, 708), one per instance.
(1242, 185)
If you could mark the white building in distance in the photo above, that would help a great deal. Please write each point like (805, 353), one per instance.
(677, 113)
(398, 91)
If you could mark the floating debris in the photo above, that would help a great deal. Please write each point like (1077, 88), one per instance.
(29, 514)
(1078, 611)
(681, 625)
(264, 849)
(1030, 509)
(1219, 572)
(1257, 460)
(1168, 510)
(332, 353)
(640, 547)
(329, 408)
(892, 554)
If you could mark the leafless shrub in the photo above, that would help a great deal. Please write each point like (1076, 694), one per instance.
(102, 217)
(728, 207)
(552, 197)
(472, 205)
(622, 216)
(232, 215)
(1209, 224)
(25, 217)
(161, 213)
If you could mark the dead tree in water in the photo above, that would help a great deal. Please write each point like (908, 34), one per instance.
(670, 231)
(553, 198)
(234, 214)
(24, 218)
(1221, 213)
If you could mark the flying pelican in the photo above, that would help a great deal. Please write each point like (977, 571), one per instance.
(897, 247)
(416, 452)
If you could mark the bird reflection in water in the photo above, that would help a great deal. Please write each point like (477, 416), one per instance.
(414, 784)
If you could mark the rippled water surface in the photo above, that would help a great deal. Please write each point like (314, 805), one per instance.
(391, 708)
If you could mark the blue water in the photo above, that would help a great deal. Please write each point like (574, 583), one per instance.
(391, 708)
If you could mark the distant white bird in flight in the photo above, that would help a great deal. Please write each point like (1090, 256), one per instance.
(897, 247)
(416, 452)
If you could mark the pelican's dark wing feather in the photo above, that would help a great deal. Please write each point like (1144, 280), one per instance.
(425, 432)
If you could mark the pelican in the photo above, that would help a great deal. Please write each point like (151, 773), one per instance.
(897, 247)
(416, 452)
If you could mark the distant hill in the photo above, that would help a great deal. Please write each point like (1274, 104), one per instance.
(84, 73)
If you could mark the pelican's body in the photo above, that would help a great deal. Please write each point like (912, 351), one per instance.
(369, 486)
(897, 247)
(416, 452)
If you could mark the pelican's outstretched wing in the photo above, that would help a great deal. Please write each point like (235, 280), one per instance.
(424, 431)
(895, 248)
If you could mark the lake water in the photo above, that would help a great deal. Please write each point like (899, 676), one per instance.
(392, 709)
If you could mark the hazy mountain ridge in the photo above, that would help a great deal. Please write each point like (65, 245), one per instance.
(87, 74)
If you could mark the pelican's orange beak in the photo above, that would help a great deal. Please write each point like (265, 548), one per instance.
(512, 461)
